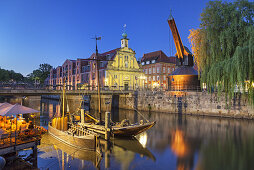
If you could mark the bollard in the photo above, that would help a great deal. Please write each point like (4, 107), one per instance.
(107, 125)
(82, 116)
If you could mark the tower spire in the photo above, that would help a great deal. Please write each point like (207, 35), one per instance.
(124, 40)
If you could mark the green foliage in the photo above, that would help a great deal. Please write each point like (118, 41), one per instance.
(10, 75)
(224, 47)
(41, 73)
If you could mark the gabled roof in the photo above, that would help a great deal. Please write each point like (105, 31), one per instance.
(159, 56)
(103, 56)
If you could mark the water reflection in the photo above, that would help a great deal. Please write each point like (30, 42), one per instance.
(176, 141)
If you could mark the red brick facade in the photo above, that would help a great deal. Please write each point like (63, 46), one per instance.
(157, 68)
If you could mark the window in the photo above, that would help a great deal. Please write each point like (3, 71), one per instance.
(145, 71)
(150, 70)
(154, 70)
(153, 78)
(164, 77)
(126, 64)
(147, 62)
(101, 64)
(158, 69)
(158, 78)
(163, 69)
(168, 70)
(143, 63)
(153, 61)
(115, 76)
(149, 78)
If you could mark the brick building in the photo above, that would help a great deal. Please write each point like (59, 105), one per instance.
(120, 71)
(157, 66)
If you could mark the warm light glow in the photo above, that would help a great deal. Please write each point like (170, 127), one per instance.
(106, 81)
(143, 139)
(155, 84)
(143, 77)
(204, 85)
(178, 144)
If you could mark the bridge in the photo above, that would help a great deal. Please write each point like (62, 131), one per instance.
(39, 92)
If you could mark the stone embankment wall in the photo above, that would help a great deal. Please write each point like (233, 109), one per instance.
(193, 103)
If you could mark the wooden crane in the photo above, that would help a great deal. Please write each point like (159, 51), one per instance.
(184, 56)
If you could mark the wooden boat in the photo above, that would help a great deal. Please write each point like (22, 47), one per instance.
(71, 133)
(131, 130)
(87, 155)
(118, 130)
(85, 142)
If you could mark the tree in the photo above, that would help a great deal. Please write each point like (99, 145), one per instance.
(223, 46)
(41, 73)
(10, 75)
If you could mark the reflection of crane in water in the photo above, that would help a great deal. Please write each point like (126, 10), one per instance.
(182, 145)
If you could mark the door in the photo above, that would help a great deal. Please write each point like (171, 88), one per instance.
(126, 86)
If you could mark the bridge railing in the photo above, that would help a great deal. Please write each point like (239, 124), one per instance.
(103, 88)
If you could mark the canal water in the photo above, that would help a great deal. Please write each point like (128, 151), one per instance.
(175, 142)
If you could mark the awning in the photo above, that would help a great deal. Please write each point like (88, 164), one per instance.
(15, 110)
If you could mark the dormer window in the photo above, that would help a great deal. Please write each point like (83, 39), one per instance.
(108, 57)
(153, 61)
(143, 63)
(147, 62)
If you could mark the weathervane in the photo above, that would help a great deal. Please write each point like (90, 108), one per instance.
(96, 38)
(124, 28)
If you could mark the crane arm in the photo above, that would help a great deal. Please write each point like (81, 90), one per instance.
(177, 39)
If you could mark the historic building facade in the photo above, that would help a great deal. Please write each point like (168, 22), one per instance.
(118, 69)
(157, 67)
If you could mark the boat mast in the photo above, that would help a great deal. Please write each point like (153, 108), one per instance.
(98, 78)
(63, 98)
(63, 104)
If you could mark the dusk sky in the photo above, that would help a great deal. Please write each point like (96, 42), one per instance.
(50, 31)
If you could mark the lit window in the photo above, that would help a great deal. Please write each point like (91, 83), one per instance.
(164, 77)
(147, 62)
(153, 78)
(168, 70)
(158, 69)
(143, 63)
(163, 69)
(149, 78)
(145, 71)
(150, 70)
(153, 61)
(154, 70)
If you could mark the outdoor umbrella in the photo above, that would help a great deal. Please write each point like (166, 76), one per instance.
(16, 110)
(4, 106)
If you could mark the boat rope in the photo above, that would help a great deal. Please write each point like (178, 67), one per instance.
(132, 105)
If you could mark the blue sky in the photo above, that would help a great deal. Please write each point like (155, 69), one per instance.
(50, 31)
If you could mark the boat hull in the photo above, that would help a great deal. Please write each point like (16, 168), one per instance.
(87, 142)
(132, 130)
